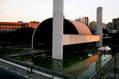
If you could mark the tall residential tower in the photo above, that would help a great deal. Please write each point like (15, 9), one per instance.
(99, 25)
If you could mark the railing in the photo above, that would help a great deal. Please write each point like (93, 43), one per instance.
(41, 69)
(106, 68)
(101, 72)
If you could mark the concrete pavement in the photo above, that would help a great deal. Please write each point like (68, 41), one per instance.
(21, 70)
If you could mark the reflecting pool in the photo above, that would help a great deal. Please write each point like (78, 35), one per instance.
(83, 64)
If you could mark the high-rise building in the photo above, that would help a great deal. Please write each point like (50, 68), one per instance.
(99, 25)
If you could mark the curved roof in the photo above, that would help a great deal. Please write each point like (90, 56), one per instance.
(42, 35)
(82, 28)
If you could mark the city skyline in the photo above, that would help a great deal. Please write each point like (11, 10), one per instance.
(39, 10)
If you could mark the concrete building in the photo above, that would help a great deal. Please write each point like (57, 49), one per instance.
(80, 19)
(56, 32)
(12, 26)
(113, 27)
(109, 26)
(99, 25)
(84, 20)
(44, 31)
(104, 26)
(73, 33)
(115, 23)
(33, 24)
(93, 25)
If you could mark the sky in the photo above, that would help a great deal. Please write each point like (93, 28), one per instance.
(39, 10)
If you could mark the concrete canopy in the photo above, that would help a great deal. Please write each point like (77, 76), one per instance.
(42, 36)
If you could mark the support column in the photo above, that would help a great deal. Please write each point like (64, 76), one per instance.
(57, 49)
(99, 25)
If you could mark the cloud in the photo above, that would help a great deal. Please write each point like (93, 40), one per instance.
(3, 1)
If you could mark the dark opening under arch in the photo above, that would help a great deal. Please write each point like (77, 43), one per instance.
(42, 37)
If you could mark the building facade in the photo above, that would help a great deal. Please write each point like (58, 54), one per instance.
(109, 26)
(33, 24)
(12, 26)
(84, 20)
(113, 27)
(115, 23)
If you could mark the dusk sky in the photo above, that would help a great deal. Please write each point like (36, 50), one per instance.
(39, 10)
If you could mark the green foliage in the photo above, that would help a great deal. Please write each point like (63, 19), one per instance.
(9, 51)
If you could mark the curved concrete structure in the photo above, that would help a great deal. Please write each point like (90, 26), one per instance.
(54, 33)
(42, 36)
(82, 28)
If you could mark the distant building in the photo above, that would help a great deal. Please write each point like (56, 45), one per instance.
(109, 26)
(104, 26)
(115, 23)
(84, 20)
(92, 25)
(113, 27)
(33, 24)
(12, 26)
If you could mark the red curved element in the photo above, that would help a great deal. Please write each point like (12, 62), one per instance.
(82, 28)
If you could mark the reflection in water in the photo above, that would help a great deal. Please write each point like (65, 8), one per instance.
(82, 64)
(84, 68)
(98, 63)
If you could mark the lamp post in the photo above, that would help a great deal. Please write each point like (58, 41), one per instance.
(52, 74)
(114, 65)
(32, 61)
